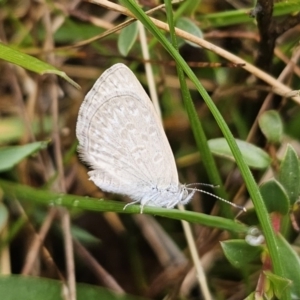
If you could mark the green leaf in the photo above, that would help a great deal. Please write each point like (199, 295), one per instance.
(239, 253)
(83, 236)
(127, 38)
(190, 27)
(254, 157)
(251, 296)
(84, 30)
(289, 174)
(10, 156)
(291, 264)
(13, 129)
(31, 63)
(275, 197)
(32, 288)
(271, 126)
(3, 217)
(278, 284)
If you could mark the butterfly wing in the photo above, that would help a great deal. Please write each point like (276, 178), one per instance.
(121, 137)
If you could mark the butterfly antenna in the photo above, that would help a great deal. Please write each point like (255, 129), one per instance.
(205, 184)
(219, 198)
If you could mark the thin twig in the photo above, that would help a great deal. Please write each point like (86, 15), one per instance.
(37, 242)
(186, 226)
(195, 257)
(148, 68)
(102, 274)
(65, 217)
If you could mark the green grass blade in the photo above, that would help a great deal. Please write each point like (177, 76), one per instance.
(249, 180)
(45, 197)
(196, 125)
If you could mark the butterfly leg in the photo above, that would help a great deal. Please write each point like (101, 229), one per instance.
(188, 198)
(130, 203)
(143, 205)
(142, 208)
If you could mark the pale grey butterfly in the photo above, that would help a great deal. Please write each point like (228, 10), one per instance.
(122, 139)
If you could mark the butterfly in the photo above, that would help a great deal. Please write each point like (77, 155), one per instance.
(122, 139)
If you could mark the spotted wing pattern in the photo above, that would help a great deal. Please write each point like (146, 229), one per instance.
(121, 137)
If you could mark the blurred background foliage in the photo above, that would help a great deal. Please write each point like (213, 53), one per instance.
(133, 256)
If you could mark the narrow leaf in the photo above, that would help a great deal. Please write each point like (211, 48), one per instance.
(31, 63)
(10, 156)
